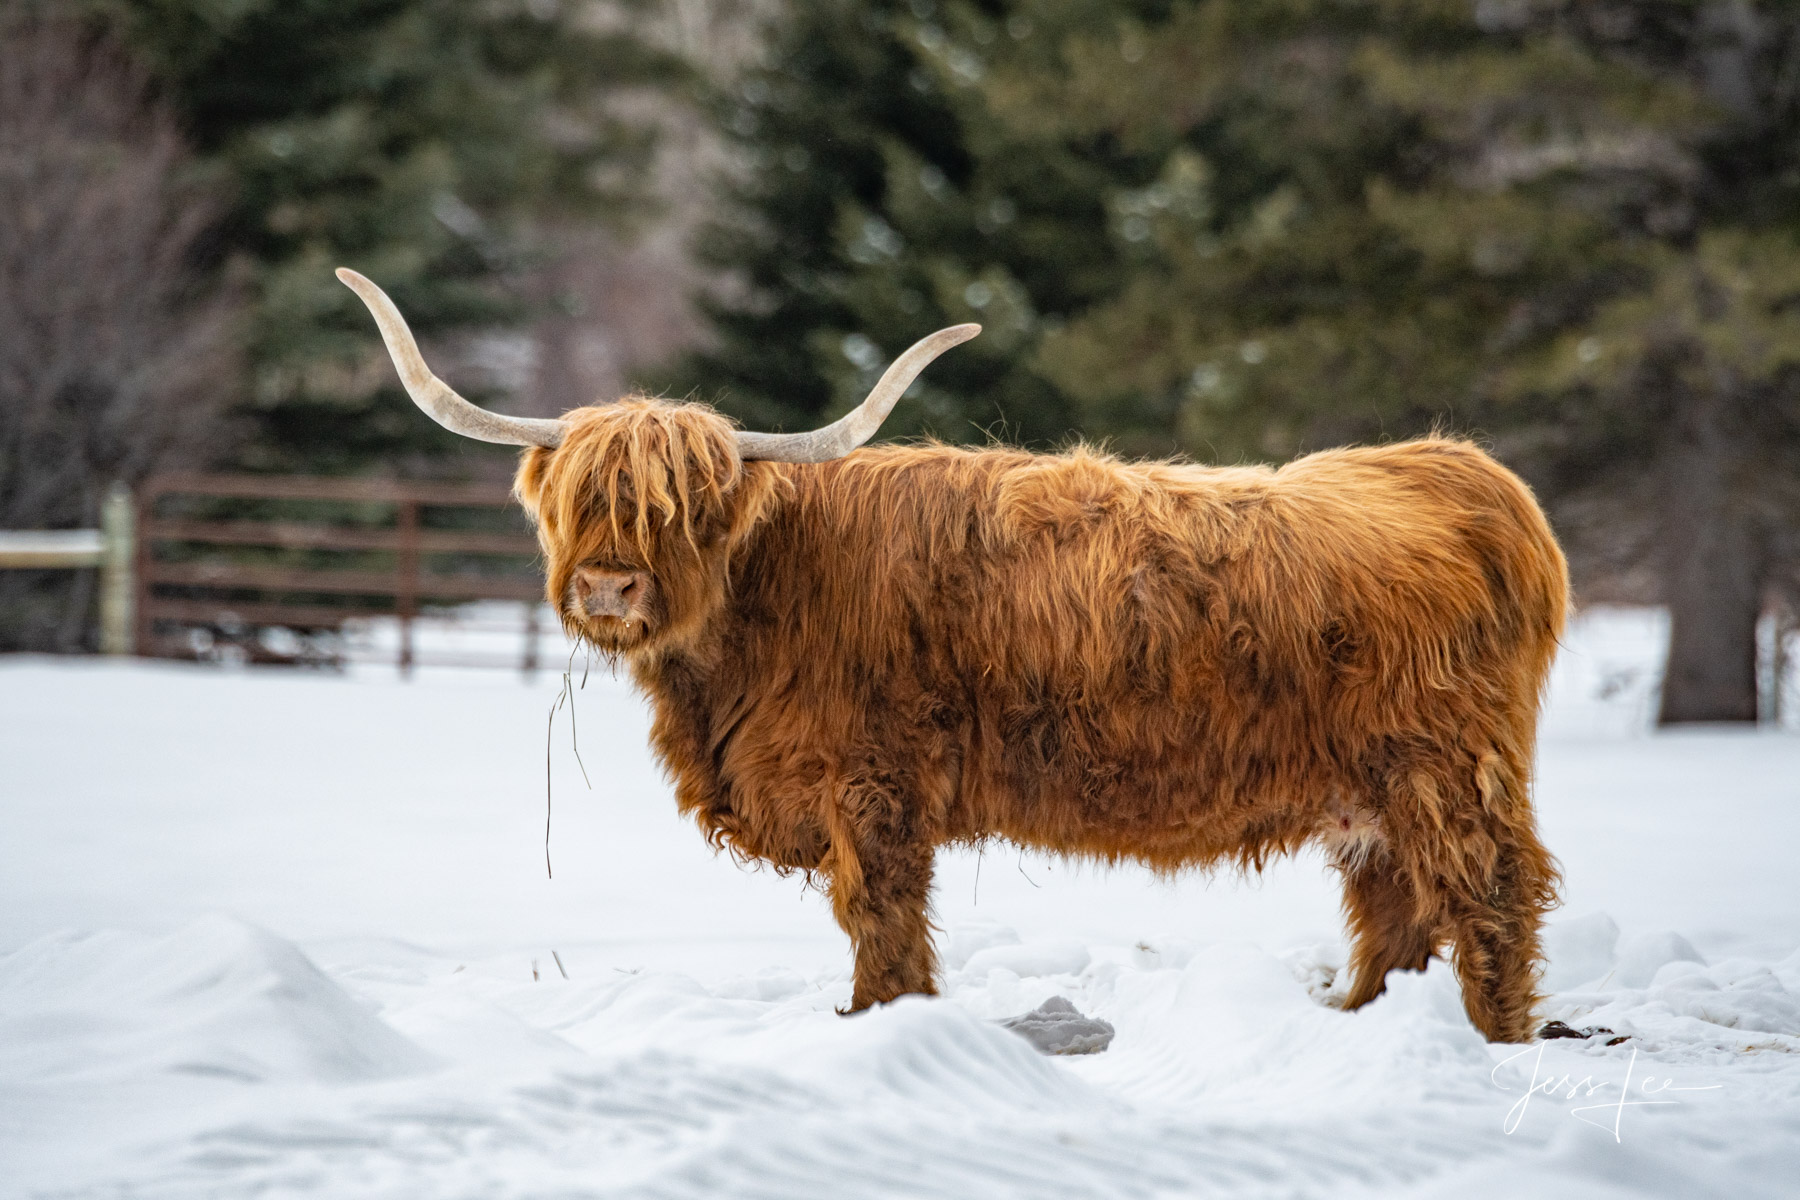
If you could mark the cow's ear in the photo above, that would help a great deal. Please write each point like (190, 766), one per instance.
(528, 485)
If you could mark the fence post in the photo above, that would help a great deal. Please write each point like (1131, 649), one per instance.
(1785, 622)
(407, 599)
(143, 615)
(531, 638)
(117, 555)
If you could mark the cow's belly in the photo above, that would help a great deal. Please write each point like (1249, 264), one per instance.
(1167, 803)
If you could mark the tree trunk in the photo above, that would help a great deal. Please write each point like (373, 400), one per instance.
(1712, 572)
(1713, 606)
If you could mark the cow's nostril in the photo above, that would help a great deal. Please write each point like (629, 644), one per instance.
(629, 587)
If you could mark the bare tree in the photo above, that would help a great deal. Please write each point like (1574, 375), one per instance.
(116, 358)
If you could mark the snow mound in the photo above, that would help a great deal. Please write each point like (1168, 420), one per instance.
(218, 998)
(1691, 1011)
(963, 940)
(1031, 960)
(1641, 957)
(1659, 992)
(1579, 950)
(1235, 1021)
(927, 1052)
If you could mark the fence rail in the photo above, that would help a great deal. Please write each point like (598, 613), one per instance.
(197, 575)
(310, 487)
(52, 548)
(292, 535)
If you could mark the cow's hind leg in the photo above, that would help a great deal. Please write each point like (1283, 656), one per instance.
(1386, 929)
(880, 886)
(1466, 841)
(1495, 925)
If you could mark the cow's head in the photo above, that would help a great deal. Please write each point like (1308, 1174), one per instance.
(639, 503)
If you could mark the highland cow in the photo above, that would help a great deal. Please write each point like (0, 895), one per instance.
(854, 658)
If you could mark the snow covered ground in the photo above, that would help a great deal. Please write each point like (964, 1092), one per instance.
(279, 934)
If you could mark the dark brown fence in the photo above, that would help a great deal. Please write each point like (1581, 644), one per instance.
(229, 557)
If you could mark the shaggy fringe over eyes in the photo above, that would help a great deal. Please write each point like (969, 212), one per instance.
(653, 467)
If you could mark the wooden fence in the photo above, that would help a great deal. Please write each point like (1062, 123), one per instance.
(228, 556)
(108, 548)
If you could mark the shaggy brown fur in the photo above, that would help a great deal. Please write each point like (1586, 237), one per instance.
(852, 663)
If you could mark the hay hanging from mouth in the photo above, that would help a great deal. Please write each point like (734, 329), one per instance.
(566, 694)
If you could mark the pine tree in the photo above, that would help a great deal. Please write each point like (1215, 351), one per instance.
(419, 140)
(879, 200)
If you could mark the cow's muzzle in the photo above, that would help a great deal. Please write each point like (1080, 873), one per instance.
(621, 594)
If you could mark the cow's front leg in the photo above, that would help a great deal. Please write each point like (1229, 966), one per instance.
(880, 869)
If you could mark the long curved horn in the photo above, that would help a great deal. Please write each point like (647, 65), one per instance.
(437, 398)
(860, 423)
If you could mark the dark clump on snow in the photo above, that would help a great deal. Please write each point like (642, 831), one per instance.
(1057, 1027)
(1557, 1029)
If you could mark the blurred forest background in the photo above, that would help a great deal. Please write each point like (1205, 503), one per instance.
(1233, 230)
